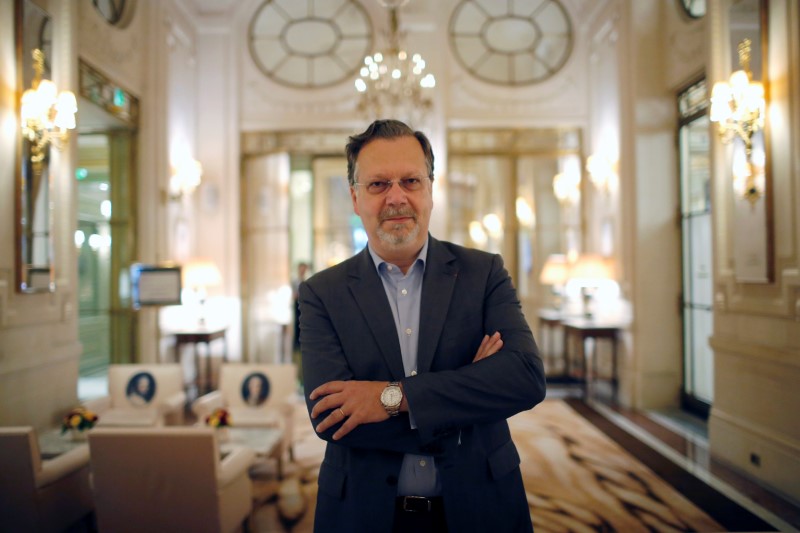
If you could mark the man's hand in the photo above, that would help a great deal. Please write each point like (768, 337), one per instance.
(355, 402)
(489, 346)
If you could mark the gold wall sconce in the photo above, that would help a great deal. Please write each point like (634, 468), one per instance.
(602, 172)
(567, 187)
(186, 177)
(46, 114)
(739, 107)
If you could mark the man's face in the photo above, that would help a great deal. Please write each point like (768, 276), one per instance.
(397, 220)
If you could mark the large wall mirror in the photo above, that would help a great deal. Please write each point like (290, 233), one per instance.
(34, 243)
(500, 198)
(754, 242)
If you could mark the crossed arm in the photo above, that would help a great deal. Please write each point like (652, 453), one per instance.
(358, 402)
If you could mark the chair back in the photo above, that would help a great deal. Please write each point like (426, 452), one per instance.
(36, 494)
(155, 479)
(257, 385)
(143, 386)
(19, 460)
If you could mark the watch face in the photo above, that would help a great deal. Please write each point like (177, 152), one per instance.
(391, 396)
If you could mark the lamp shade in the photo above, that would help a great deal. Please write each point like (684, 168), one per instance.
(201, 273)
(554, 271)
(593, 267)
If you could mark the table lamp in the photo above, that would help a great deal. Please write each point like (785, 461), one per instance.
(198, 275)
(554, 273)
(588, 272)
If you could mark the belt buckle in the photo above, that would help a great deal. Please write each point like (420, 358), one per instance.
(412, 504)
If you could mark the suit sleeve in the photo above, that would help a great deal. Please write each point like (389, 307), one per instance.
(493, 389)
(324, 360)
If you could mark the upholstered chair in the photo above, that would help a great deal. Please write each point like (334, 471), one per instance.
(141, 395)
(169, 479)
(38, 494)
(255, 395)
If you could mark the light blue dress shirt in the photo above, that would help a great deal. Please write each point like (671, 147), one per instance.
(418, 475)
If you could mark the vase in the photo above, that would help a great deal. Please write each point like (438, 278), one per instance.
(223, 435)
(78, 435)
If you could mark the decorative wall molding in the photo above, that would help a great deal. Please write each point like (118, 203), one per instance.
(563, 93)
(311, 102)
(790, 445)
(725, 346)
(265, 142)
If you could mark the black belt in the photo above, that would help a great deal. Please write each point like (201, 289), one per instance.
(419, 504)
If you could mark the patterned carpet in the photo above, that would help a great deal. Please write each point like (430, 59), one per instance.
(576, 479)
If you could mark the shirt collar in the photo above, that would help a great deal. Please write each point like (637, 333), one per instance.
(423, 253)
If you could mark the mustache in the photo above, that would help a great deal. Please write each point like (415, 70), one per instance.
(391, 212)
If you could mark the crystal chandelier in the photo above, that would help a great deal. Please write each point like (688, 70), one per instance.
(392, 82)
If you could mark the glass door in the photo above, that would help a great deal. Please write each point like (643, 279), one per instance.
(698, 316)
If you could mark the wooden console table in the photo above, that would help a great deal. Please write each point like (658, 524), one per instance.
(204, 336)
(550, 320)
(582, 329)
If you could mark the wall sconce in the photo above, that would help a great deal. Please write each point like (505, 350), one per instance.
(602, 172)
(739, 107)
(525, 215)
(186, 177)
(489, 227)
(567, 187)
(46, 114)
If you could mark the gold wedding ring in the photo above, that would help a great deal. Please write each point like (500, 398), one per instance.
(343, 415)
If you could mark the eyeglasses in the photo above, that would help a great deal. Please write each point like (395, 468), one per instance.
(381, 186)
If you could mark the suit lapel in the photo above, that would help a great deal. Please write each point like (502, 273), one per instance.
(367, 289)
(441, 273)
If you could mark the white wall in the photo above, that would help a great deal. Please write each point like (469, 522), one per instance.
(39, 348)
(756, 337)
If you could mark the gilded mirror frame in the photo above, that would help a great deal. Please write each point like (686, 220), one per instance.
(33, 220)
(754, 245)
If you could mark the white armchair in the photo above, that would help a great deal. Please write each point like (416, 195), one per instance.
(255, 395)
(141, 395)
(41, 494)
(169, 479)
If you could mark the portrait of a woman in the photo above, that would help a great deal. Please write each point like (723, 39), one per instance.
(255, 389)
(141, 389)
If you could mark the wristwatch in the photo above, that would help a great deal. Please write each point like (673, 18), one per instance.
(391, 398)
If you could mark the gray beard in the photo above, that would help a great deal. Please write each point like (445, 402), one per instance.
(398, 239)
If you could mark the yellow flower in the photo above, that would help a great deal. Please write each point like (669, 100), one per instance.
(75, 421)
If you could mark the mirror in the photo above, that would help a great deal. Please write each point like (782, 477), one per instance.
(34, 244)
(500, 199)
(754, 242)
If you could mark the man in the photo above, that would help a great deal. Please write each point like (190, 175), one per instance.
(415, 352)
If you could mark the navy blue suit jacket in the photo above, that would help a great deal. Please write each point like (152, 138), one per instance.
(347, 332)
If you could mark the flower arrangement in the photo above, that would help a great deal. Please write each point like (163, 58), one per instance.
(78, 419)
(219, 418)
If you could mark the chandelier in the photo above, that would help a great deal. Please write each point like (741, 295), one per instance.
(393, 83)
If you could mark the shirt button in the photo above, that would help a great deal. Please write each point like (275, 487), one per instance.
(404, 292)
(389, 268)
(413, 372)
(408, 331)
(422, 462)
